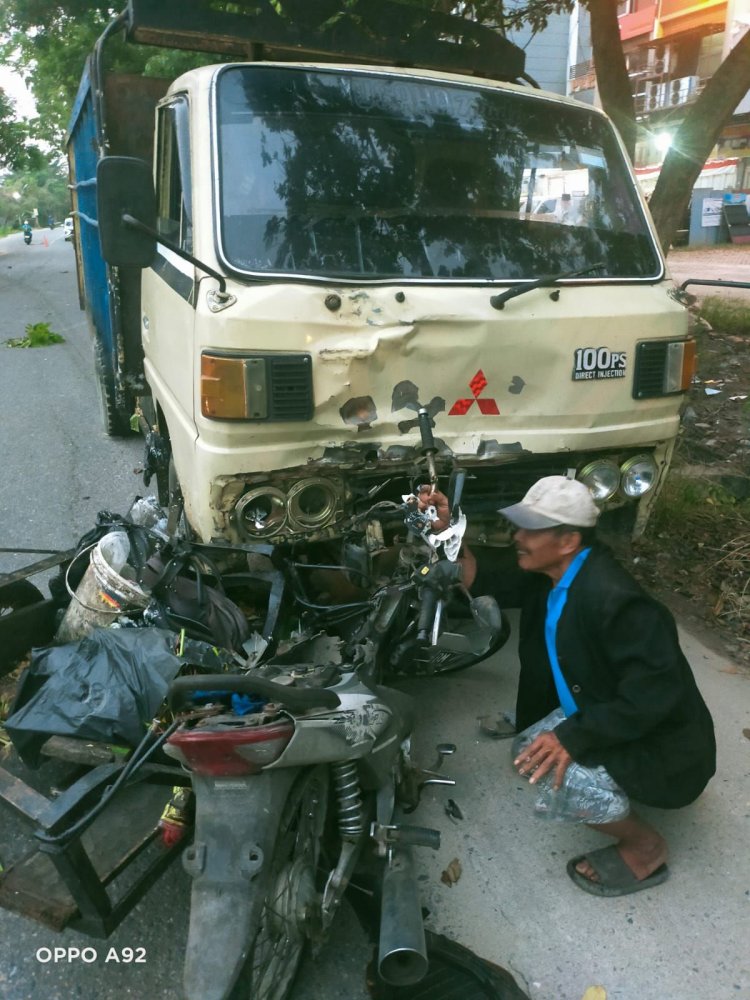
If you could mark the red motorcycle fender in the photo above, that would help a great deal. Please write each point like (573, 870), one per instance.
(236, 823)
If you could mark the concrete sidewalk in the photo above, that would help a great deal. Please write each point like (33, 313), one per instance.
(515, 904)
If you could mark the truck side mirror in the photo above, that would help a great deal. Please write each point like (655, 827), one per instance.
(126, 208)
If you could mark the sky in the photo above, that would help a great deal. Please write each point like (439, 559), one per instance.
(14, 86)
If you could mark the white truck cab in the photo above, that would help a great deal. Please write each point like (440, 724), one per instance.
(335, 246)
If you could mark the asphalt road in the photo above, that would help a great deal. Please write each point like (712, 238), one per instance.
(513, 903)
(58, 470)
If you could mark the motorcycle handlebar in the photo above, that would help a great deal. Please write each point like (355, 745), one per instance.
(427, 608)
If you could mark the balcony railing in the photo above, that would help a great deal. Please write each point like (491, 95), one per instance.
(670, 94)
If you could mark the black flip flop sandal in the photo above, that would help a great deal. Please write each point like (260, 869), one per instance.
(615, 878)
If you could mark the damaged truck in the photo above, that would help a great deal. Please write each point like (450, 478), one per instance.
(333, 247)
(359, 252)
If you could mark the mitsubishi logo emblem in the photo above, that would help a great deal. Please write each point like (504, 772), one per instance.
(487, 406)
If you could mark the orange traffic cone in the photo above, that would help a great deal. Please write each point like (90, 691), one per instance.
(45, 242)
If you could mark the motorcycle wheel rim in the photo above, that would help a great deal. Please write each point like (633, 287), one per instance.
(279, 944)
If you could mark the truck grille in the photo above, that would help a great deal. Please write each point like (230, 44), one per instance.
(650, 364)
(290, 391)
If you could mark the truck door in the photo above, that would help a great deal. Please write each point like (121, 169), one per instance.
(169, 284)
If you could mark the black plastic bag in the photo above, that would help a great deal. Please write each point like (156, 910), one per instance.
(106, 687)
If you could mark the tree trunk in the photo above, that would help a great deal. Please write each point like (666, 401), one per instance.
(695, 139)
(611, 71)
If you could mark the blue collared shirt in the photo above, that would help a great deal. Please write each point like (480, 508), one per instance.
(555, 604)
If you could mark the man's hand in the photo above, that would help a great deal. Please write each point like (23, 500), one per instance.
(544, 754)
(427, 497)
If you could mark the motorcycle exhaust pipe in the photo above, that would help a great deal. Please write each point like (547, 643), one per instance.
(402, 955)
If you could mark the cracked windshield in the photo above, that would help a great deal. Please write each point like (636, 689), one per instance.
(378, 177)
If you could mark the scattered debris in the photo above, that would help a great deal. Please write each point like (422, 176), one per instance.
(452, 873)
(37, 335)
(453, 810)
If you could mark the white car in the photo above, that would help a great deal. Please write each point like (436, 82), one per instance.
(68, 228)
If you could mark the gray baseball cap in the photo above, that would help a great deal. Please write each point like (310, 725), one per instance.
(551, 501)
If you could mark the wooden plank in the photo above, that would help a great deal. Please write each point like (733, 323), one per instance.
(79, 751)
(33, 886)
(30, 804)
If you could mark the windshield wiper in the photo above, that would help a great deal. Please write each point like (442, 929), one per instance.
(498, 301)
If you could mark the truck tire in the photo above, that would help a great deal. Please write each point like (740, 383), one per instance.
(116, 418)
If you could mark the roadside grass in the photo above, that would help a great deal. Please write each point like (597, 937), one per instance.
(707, 530)
(701, 521)
(729, 315)
(689, 505)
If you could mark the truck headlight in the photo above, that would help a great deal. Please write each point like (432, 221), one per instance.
(639, 475)
(602, 477)
(311, 503)
(261, 512)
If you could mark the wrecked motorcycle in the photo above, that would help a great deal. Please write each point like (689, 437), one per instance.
(312, 780)
(294, 766)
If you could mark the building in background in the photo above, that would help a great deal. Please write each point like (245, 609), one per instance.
(672, 48)
(547, 52)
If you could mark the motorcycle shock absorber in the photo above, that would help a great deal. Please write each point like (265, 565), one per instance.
(346, 784)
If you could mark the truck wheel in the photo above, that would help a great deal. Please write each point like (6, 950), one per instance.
(116, 419)
(288, 917)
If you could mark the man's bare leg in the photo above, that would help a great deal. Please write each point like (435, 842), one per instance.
(643, 849)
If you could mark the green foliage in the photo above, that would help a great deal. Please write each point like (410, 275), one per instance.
(14, 153)
(37, 335)
(726, 314)
(44, 189)
(48, 43)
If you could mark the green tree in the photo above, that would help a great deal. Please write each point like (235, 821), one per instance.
(48, 44)
(16, 148)
(38, 192)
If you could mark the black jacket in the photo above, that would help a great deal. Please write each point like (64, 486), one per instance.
(640, 713)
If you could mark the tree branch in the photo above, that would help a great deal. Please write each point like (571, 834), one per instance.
(611, 70)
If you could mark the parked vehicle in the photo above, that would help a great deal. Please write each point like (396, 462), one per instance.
(310, 279)
(68, 228)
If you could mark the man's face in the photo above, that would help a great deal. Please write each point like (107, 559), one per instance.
(546, 551)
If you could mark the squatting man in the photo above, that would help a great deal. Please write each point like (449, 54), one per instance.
(607, 708)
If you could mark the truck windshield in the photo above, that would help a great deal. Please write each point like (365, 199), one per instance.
(366, 176)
